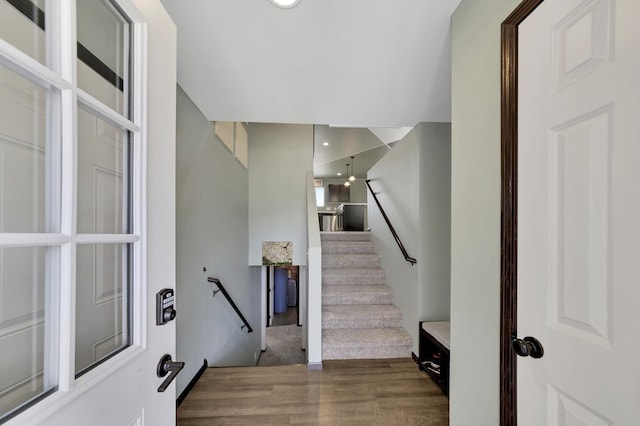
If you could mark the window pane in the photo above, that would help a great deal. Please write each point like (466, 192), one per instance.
(320, 196)
(103, 53)
(22, 24)
(29, 161)
(27, 364)
(102, 303)
(103, 176)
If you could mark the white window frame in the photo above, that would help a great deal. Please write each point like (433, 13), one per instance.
(62, 75)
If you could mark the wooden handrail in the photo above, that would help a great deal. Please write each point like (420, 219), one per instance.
(408, 258)
(230, 300)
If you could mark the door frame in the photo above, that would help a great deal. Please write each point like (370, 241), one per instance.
(509, 208)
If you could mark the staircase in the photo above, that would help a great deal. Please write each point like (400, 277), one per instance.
(359, 320)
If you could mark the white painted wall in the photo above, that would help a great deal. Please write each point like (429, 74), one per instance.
(475, 212)
(212, 216)
(312, 284)
(434, 263)
(412, 182)
(394, 179)
(279, 157)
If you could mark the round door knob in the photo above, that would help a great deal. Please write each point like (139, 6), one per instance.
(529, 346)
(169, 314)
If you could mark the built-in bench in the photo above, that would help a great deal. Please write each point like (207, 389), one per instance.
(434, 351)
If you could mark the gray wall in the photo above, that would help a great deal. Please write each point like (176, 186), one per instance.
(412, 182)
(475, 211)
(212, 216)
(394, 179)
(279, 157)
(434, 262)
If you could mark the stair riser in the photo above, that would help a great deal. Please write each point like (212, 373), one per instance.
(332, 261)
(345, 236)
(334, 247)
(380, 352)
(361, 323)
(353, 279)
(358, 299)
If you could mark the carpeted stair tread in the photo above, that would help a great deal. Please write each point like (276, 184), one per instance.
(353, 276)
(353, 247)
(345, 236)
(359, 320)
(366, 343)
(361, 316)
(357, 295)
(332, 261)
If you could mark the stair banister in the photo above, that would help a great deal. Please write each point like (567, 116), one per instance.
(408, 258)
(230, 300)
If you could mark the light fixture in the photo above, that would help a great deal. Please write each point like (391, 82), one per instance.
(353, 163)
(325, 143)
(285, 4)
(339, 174)
(347, 183)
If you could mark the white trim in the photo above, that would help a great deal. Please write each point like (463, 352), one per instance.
(32, 240)
(23, 64)
(68, 199)
(132, 12)
(54, 402)
(139, 186)
(106, 238)
(95, 107)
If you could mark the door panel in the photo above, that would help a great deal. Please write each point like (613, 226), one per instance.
(578, 204)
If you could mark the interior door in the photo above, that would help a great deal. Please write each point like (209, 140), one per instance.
(578, 212)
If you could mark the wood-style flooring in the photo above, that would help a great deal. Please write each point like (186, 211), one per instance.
(354, 392)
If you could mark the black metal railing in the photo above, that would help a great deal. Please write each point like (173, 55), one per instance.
(408, 258)
(231, 302)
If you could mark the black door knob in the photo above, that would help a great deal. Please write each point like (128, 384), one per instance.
(529, 346)
(169, 315)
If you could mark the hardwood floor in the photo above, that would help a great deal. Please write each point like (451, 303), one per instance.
(367, 392)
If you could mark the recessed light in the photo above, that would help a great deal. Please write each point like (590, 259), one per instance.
(286, 4)
(325, 144)
(339, 174)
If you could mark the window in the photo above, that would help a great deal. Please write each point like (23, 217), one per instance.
(319, 196)
(71, 192)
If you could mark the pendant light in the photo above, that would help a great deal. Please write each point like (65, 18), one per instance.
(347, 183)
(353, 163)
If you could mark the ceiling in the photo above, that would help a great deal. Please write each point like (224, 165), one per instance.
(331, 159)
(356, 62)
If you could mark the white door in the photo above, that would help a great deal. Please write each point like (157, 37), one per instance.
(87, 222)
(579, 212)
